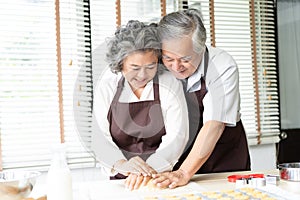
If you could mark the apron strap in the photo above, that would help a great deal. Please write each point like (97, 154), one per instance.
(156, 87)
(205, 62)
(119, 90)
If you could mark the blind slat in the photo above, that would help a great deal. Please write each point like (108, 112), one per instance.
(233, 34)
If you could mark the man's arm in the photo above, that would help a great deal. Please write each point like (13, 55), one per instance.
(202, 149)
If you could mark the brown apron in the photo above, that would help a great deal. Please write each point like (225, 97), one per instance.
(136, 128)
(231, 151)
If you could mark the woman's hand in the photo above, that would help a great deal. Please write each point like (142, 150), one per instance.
(135, 165)
(171, 179)
(134, 182)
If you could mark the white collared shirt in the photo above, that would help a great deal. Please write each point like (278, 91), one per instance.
(222, 101)
(174, 111)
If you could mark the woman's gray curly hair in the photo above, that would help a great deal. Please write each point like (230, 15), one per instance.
(135, 36)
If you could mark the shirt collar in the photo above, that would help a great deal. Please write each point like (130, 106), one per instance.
(193, 82)
(147, 93)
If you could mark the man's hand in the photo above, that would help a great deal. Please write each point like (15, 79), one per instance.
(134, 182)
(171, 179)
(135, 165)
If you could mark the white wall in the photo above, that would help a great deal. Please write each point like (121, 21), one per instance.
(263, 157)
(289, 63)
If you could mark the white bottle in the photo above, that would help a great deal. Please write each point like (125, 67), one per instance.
(59, 179)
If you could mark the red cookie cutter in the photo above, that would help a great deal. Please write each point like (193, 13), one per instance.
(235, 177)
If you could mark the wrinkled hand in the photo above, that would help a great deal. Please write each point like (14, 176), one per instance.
(134, 182)
(171, 179)
(135, 165)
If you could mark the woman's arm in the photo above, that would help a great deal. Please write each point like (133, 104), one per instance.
(105, 150)
(175, 116)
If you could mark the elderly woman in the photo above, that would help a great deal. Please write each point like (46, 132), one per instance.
(139, 107)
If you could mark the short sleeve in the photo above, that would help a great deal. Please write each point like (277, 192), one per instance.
(222, 101)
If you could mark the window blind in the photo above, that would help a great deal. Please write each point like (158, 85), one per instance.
(103, 25)
(29, 114)
(29, 93)
(233, 32)
(267, 72)
(144, 10)
(75, 34)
